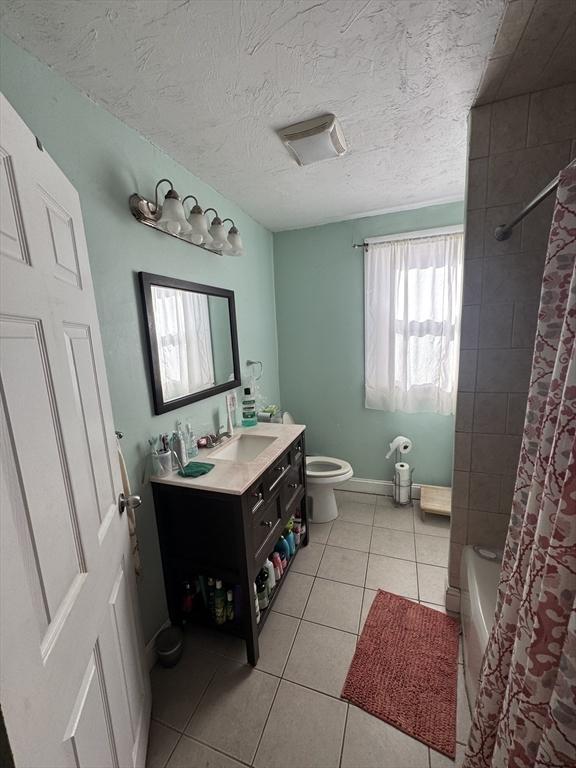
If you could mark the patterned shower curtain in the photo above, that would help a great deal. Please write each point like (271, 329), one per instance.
(525, 713)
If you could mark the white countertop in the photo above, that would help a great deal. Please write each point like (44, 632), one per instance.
(235, 477)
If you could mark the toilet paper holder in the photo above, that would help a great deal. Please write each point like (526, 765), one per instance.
(402, 488)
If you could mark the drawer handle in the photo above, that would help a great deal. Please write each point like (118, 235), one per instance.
(292, 485)
(257, 495)
(258, 504)
(267, 523)
(283, 471)
(299, 448)
(280, 468)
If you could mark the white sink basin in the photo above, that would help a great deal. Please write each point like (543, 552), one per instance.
(243, 448)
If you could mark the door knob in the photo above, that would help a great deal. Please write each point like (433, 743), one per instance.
(128, 502)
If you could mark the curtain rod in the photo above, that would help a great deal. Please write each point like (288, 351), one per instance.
(504, 231)
(396, 239)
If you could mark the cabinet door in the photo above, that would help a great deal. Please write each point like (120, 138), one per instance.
(266, 529)
(293, 485)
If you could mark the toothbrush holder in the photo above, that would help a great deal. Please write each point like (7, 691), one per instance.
(165, 462)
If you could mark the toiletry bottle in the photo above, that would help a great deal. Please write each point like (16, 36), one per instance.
(229, 605)
(191, 446)
(248, 408)
(257, 607)
(219, 603)
(180, 444)
(289, 536)
(277, 566)
(231, 405)
(271, 577)
(211, 596)
(176, 462)
(296, 532)
(283, 548)
(187, 600)
(262, 590)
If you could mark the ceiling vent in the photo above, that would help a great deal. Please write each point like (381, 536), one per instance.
(313, 140)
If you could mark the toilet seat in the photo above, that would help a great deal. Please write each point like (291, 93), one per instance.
(327, 469)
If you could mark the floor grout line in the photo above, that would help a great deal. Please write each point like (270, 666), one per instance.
(417, 576)
(219, 750)
(271, 706)
(344, 735)
(178, 740)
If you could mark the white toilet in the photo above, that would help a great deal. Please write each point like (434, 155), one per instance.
(323, 474)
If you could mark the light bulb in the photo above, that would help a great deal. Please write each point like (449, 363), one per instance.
(235, 242)
(218, 233)
(195, 237)
(172, 219)
(199, 224)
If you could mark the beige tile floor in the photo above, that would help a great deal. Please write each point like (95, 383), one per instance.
(214, 711)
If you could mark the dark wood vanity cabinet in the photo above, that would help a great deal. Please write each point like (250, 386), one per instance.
(227, 536)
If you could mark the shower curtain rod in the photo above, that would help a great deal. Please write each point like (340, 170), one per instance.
(504, 231)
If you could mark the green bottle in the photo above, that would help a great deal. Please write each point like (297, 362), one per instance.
(220, 603)
(249, 409)
(211, 596)
(229, 605)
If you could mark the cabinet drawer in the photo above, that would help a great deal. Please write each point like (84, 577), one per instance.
(266, 526)
(293, 484)
(276, 474)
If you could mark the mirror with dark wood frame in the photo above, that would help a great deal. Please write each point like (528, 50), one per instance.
(192, 340)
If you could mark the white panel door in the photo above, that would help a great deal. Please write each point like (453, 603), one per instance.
(74, 685)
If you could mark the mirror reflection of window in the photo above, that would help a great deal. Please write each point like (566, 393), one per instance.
(184, 335)
(221, 339)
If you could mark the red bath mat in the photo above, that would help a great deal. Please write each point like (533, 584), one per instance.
(405, 670)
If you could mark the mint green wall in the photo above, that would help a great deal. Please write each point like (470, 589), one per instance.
(319, 308)
(107, 161)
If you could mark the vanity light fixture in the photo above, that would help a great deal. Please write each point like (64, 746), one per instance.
(196, 228)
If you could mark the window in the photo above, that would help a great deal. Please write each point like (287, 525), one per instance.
(413, 295)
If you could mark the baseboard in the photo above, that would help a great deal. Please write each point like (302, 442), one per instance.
(453, 599)
(150, 650)
(378, 487)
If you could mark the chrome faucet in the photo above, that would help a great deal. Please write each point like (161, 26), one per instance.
(213, 440)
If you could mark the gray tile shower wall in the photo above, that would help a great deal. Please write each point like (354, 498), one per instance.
(516, 146)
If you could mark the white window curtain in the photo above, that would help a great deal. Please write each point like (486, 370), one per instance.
(184, 341)
(413, 297)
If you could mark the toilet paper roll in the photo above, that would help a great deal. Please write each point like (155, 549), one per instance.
(402, 482)
(401, 444)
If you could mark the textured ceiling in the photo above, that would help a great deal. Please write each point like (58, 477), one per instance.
(209, 82)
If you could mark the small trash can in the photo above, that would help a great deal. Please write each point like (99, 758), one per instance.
(169, 646)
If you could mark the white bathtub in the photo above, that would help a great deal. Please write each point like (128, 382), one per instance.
(479, 584)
